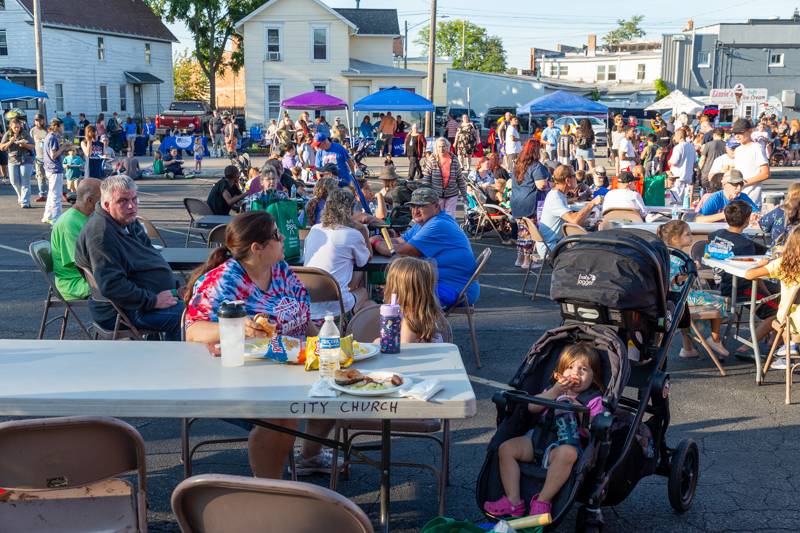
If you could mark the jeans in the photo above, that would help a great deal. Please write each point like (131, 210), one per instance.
(21, 181)
(166, 321)
(448, 205)
(414, 168)
(52, 209)
(41, 179)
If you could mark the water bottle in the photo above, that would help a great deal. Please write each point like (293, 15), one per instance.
(329, 343)
(687, 197)
(674, 211)
(390, 326)
(293, 193)
(231, 332)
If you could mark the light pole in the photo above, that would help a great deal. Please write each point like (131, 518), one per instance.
(431, 67)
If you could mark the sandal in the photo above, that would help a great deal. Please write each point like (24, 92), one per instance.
(504, 507)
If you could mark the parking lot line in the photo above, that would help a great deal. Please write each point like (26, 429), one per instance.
(12, 249)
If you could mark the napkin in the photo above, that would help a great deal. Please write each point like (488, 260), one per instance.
(422, 390)
(322, 389)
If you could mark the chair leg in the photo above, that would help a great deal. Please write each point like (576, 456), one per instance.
(44, 315)
(292, 466)
(188, 232)
(476, 352)
(185, 454)
(706, 347)
(525, 281)
(80, 323)
(64, 324)
(446, 452)
(771, 355)
(787, 343)
(337, 433)
(538, 279)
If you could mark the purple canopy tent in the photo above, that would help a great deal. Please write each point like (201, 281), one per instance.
(317, 101)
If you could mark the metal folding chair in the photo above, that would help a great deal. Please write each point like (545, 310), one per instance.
(196, 209)
(463, 307)
(216, 237)
(152, 231)
(322, 287)
(536, 236)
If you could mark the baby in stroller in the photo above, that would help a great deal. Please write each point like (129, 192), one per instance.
(578, 379)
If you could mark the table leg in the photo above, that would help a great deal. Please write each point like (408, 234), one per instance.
(732, 319)
(386, 460)
(753, 339)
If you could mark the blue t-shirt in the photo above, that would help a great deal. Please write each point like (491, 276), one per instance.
(367, 130)
(69, 124)
(51, 165)
(551, 135)
(441, 240)
(600, 191)
(717, 202)
(338, 155)
(130, 129)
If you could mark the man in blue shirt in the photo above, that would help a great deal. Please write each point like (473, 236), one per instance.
(550, 137)
(329, 152)
(713, 208)
(69, 128)
(436, 236)
(53, 152)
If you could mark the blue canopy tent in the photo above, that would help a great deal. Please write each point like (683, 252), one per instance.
(563, 103)
(394, 99)
(14, 91)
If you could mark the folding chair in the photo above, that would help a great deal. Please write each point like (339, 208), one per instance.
(60, 474)
(41, 254)
(322, 287)
(216, 237)
(152, 231)
(365, 326)
(196, 209)
(463, 307)
(530, 225)
(786, 330)
(623, 215)
(568, 230)
(218, 503)
(489, 214)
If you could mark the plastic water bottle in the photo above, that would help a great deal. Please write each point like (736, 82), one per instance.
(293, 193)
(231, 332)
(329, 343)
(687, 197)
(390, 326)
(674, 211)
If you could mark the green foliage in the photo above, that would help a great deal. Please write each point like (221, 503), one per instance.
(595, 95)
(211, 24)
(190, 81)
(480, 51)
(626, 30)
(662, 90)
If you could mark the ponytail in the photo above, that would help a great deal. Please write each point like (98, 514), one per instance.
(217, 257)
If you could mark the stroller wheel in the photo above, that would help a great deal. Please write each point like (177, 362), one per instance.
(684, 471)
(589, 520)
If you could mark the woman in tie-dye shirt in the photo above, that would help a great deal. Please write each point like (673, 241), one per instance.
(250, 267)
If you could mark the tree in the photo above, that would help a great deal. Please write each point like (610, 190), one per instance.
(626, 30)
(480, 51)
(211, 24)
(190, 81)
(662, 90)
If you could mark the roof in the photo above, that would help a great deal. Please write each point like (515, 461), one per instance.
(395, 99)
(122, 17)
(360, 68)
(562, 102)
(372, 21)
(142, 78)
(269, 3)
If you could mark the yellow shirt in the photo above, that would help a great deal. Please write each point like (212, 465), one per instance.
(786, 304)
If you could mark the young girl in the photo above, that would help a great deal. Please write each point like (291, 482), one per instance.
(579, 371)
(199, 150)
(413, 281)
(676, 234)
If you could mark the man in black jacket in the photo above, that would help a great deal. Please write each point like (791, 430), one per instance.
(114, 246)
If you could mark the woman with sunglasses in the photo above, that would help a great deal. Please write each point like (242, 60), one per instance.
(250, 267)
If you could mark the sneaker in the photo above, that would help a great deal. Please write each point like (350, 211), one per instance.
(779, 363)
(717, 347)
(782, 350)
(319, 464)
(688, 354)
(504, 507)
(41, 199)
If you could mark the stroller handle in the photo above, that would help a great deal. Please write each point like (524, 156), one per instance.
(518, 396)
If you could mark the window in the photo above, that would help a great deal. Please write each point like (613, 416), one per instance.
(103, 98)
(640, 70)
(147, 53)
(59, 97)
(601, 73)
(553, 70)
(123, 97)
(2, 4)
(612, 72)
(273, 100)
(776, 60)
(3, 43)
(703, 59)
(319, 43)
(444, 77)
(321, 87)
(273, 39)
(562, 70)
(101, 49)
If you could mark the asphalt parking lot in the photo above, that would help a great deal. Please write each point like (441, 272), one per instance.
(748, 438)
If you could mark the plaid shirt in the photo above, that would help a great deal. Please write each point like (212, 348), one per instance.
(432, 176)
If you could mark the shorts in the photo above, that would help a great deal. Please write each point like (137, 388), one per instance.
(130, 137)
(198, 157)
(573, 440)
(794, 146)
(586, 155)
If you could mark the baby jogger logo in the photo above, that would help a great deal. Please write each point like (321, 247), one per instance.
(586, 280)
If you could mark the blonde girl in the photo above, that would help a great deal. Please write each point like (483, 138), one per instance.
(676, 234)
(413, 280)
(579, 369)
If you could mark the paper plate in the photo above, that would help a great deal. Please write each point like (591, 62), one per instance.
(368, 392)
(369, 350)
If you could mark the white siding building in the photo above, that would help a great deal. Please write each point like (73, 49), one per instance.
(295, 46)
(98, 58)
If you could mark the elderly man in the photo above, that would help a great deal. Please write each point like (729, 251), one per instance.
(115, 248)
(436, 235)
(712, 209)
(69, 281)
(750, 159)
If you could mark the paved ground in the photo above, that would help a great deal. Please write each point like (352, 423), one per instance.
(747, 437)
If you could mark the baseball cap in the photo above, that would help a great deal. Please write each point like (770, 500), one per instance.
(733, 177)
(423, 196)
(741, 125)
(626, 177)
(732, 143)
(319, 138)
(388, 173)
(600, 170)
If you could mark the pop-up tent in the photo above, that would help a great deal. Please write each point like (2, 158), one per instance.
(317, 101)
(562, 103)
(14, 91)
(394, 99)
(677, 102)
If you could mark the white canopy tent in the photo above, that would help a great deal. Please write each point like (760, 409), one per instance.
(677, 102)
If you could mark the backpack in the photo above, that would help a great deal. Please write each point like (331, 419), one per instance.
(285, 214)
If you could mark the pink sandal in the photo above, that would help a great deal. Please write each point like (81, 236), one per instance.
(504, 507)
(539, 507)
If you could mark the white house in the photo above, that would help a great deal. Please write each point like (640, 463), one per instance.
(115, 55)
(295, 46)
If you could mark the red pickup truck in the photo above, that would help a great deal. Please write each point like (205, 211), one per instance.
(189, 116)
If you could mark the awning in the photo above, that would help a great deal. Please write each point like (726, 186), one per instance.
(14, 91)
(142, 78)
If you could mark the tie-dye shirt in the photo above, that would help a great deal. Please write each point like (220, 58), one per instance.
(286, 301)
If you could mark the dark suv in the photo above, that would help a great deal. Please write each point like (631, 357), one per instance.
(494, 113)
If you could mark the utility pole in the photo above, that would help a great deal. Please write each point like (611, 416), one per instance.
(405, 46)
(37, 39)
(429, 118)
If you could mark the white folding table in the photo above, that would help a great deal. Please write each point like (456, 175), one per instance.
(182, 380)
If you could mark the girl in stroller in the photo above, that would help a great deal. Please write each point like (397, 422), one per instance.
(578, 379)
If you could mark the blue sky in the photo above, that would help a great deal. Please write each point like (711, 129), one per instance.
(522, 25)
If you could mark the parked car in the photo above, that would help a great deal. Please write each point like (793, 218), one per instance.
(494, 113)
(189, 116)
(457, 113)
(598, 126)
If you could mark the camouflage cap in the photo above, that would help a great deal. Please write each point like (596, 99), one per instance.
(423, 196)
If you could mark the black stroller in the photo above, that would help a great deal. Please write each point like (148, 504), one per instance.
(612, 287)
(362, 150)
